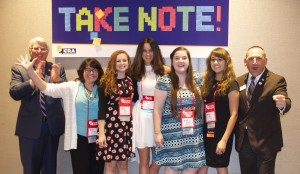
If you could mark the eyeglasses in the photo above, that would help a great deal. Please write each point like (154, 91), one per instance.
(218, 59)
(36, 49)
(89, 70)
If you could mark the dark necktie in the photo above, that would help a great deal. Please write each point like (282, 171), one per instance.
(42, 100)
(250, 89)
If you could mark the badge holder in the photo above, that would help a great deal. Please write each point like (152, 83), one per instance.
(147, 102)
(92, 125)
(187, 121)
(125, 107)
(210, 118)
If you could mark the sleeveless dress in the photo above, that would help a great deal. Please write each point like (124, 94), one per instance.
(222, 117)
(143, 131)
(118, 133)
(179, 151)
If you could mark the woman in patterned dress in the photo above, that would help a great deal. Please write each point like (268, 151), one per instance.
(177, 117)
(148, 65)
(116, 92)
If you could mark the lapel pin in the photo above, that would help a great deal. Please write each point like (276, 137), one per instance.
(259, 83)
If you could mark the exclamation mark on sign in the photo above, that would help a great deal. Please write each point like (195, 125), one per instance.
(218, 17)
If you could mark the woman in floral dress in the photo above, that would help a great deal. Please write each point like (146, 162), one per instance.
(116, 95)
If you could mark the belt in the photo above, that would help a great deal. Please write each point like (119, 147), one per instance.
(44, 118)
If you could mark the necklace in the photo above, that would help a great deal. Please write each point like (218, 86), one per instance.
(89, 92)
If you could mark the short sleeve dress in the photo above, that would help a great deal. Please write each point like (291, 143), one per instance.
(118, 133)
(222, 117)
(179, 151)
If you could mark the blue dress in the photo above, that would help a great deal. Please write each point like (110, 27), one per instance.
(179, 151)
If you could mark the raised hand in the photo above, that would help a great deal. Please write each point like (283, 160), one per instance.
(55, 72)
(40, 67)
(35, 77)
(25, 62)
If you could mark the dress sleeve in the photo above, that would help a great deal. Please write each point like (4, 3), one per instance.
(163, 83)
(233, 86)
(102, 104)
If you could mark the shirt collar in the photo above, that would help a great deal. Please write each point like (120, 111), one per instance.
(256, 78)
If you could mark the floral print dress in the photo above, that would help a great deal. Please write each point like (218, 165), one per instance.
(118, 133)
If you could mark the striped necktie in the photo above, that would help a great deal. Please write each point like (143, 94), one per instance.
(250, 89)
(42, 100)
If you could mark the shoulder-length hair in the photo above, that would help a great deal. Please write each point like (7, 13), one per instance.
(93, 63)
(108, 80)
(228, 73)
(157, 63)
(189, 82)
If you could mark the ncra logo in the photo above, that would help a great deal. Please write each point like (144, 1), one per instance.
(61, 50)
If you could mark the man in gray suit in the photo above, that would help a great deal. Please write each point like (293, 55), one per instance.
(38, 130)
(263, 98)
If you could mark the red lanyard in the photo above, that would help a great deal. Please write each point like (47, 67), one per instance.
(215, 93)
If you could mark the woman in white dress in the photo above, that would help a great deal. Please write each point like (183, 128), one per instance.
(148, 65)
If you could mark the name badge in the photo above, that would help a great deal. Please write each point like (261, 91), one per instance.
(187, 118)
(125, 108)
(92, 130)
(210, 112)
(242, 87)
(147, 102)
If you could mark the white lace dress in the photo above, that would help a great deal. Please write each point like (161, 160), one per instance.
(143, 131)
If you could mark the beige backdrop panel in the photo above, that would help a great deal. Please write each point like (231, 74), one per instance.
(273, 24)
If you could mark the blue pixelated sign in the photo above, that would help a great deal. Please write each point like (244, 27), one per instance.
(170, 22)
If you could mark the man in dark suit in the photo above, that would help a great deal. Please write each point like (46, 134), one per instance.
(38, 130)
(258, 129)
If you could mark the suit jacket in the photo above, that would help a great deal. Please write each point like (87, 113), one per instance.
(29, 119)
(261, 117)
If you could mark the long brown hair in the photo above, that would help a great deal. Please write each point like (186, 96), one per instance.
(108, 80)
(157, 63)
(189, 82)
(228, 73)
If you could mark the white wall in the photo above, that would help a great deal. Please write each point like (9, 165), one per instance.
(273, 24)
